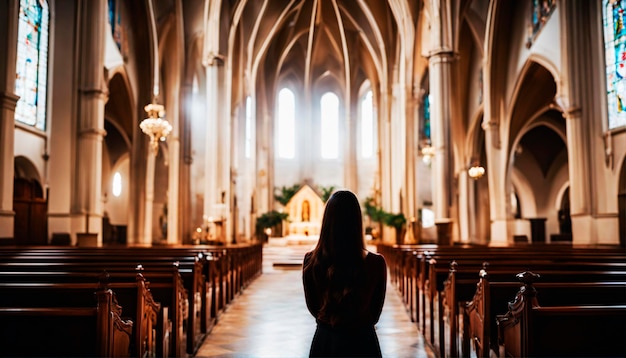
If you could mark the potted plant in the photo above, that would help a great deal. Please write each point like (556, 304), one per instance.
(396, 221)
(285, 193)
(326, 192)
(271, 219)
(375, 215)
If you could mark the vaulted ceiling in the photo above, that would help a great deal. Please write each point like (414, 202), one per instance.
(315, 45)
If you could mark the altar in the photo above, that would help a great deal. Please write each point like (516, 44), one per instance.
(305, 210)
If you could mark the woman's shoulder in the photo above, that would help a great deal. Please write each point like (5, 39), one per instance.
(376, 258)
(307, 257)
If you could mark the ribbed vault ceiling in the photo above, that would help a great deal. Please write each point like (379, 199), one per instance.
(315, 44)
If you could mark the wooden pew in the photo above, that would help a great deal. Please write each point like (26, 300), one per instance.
(165, 284)
(131, 291)
(429, 302)
(62, 320)
(460, 287)
(212, 277)
(491, 299)
(528, 329)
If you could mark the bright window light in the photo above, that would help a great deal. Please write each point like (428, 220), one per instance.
(248, 148)
(117, 184)
(286, 130)
(367, 126)
(330, 126)
(428, 218)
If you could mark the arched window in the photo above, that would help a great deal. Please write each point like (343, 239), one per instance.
(286, 130)
(615, 60)
(248, 148)
(117, 184)
(367, 125)
(330, 126)
(32, 63)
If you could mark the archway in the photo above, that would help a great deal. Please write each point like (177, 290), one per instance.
(118, 125)
(540, 161)
(537, 151)
(30, 205)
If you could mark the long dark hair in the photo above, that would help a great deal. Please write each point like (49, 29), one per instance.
(337, 260)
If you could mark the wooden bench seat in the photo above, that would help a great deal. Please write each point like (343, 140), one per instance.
(420, 273)
(165, 284)
(440, 307)
(62, 320)
(131, 291)
(530, 329)
(210, 278)
(491, 298)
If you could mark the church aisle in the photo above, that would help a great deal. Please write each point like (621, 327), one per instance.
(270, 319)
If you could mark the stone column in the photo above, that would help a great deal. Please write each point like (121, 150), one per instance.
(384, 149)
(224, 169)
(440, 62)
(174, 167)
(211, 166)
(441, 57)
(8, 45)
(410, 155)
(149, 199)
(185, 204)
(579, 112)
(467, 213)
(440, 66)
(350, 167)
(91, 98)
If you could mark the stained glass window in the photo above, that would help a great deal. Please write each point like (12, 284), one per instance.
(115, 19)
(542, 9)
(426, 114)
(615, 58)
(540, 13)
(32, 63)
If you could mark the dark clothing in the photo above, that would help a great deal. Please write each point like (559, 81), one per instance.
(354, 335)
(349, 342)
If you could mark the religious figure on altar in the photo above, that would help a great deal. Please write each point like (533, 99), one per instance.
(305, 208)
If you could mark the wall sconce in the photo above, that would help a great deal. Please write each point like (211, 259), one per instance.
(476, 171)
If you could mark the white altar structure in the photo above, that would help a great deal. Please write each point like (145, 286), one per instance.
(305, 210)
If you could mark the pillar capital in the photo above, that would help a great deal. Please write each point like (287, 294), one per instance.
(8, 100)
(573, 112)
(441, 54)
(213, 59)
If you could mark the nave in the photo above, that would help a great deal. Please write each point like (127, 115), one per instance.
(270, 319)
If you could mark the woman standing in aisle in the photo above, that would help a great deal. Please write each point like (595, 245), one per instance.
(344, 284)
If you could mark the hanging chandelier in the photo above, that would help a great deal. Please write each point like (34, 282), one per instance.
(155, 126)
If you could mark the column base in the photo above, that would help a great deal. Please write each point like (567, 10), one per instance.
(589, 230)
(74, 225)
(499, 233)
(7, 225)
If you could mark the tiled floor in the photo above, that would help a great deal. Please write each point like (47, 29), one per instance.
(270, 319)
